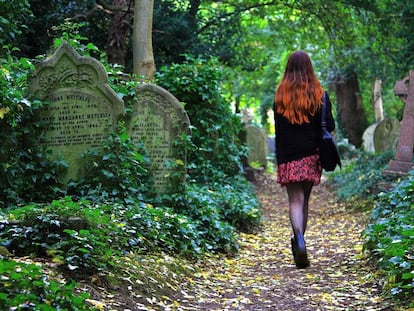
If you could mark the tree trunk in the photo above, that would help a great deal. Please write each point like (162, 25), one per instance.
(377, 100)
(144, 64)
(351, 114)
(119, 27)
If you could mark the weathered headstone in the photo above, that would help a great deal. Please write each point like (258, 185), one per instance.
(82, 108)
(381, 136)
(386, 135)
(157, 120)
(256, 140)
(368, 138)
(404, 153)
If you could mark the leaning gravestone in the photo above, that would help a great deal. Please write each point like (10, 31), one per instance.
(157, 121)
(256, 140)
(404, 153)
(82, 108)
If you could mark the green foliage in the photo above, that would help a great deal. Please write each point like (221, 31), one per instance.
(13, 13)
(119, 173)
(25, 172)
(390, 234)
(361, 176)
(75, 234)
(26, 287)
(214, 150)
(236, 202)
(89, 237)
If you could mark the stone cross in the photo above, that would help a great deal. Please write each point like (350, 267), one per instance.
(404, 153)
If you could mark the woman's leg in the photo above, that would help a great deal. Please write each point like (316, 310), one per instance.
(307, 186)
(298, 194)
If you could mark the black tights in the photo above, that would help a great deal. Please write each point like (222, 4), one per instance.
(298, 194)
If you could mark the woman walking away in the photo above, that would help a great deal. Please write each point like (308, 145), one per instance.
(298, 100)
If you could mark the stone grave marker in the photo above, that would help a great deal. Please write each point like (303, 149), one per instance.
(157, 120)
(82, 108)
(381, 136)
(386, 135)
(402, 162)
(368, 138)
(256, 140)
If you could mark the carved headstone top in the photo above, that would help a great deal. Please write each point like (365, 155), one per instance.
(158, 119)
(82, 108)
(368, 138)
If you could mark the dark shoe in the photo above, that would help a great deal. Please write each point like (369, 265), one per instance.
(301, 256)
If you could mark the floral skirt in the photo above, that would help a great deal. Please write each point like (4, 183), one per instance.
(305, 169)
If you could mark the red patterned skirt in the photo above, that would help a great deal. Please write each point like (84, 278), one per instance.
(305, 169)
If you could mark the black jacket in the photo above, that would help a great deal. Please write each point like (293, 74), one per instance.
(294, 141)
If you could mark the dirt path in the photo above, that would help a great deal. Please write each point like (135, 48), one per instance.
(263, 276)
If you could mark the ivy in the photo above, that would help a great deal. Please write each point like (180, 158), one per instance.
(390, 234)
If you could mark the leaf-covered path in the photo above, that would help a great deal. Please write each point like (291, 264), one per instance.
(263, 276)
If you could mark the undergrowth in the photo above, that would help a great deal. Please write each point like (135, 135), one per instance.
(389, 236)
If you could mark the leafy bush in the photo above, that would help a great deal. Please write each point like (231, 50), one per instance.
(13, 16)
(236, 202)
(88, 237)
(390, 234)
(26, 174)
(119, 173)
(361, 177)
(26, 287)
(74, 234)
(214, 150)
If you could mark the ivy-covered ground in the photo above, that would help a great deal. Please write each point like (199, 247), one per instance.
(262, 276)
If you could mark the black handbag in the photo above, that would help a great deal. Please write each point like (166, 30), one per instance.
(328, 150)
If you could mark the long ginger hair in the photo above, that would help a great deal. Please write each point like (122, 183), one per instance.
(299, 94)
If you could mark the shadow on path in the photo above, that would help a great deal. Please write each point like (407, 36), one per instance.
(263, 276)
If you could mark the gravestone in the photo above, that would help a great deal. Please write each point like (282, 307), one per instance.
(256, 140)
(157, 120)
(381, 136)
(82, 109)
(402, 162)
(386, 135)
(368, 138)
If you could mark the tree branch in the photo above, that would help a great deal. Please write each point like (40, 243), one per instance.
(114, 8)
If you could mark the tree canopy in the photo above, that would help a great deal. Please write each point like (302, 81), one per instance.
(362, 40)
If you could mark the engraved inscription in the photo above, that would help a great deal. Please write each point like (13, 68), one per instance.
(157, 120)
(76, 118)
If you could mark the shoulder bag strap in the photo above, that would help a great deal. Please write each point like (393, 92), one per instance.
(323, 111)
